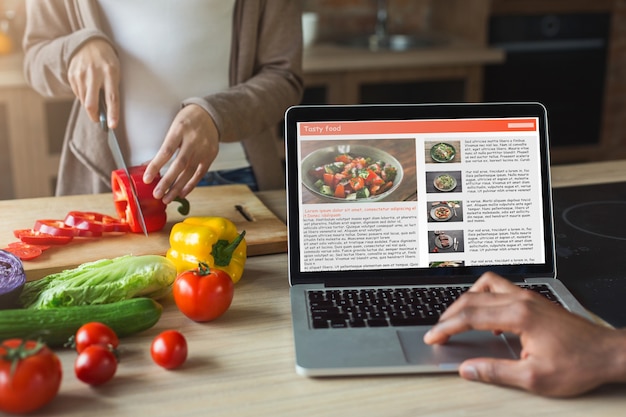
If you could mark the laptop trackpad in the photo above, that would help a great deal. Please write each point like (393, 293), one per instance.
(460, 347)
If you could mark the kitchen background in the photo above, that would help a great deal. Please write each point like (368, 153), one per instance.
(569, 54)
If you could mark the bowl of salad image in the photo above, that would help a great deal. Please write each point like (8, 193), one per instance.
(351, 173)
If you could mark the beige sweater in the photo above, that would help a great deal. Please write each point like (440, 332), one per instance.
(265, 78)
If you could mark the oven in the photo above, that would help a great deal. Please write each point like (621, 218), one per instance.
(559, 60)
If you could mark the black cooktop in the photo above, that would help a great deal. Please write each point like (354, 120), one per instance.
(590, 227)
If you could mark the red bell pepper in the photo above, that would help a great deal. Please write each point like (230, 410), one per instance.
(153, 210)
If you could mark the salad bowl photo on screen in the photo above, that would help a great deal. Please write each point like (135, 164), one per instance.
(351, 173)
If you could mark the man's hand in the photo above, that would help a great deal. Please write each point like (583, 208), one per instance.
(562, 354)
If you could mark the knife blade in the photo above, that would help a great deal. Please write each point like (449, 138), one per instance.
(114, 146)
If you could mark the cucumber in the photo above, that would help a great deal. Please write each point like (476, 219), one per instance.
(54, 326)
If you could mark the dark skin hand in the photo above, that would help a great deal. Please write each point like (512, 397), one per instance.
(192, 139)
(563, 354)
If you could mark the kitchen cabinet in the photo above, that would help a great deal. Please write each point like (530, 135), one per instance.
(344, 73)
(31, 133)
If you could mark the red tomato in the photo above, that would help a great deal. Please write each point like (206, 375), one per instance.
(95, 333)
(33, 237)
(169, 349)
(35, 380)
(340, 191)
(345, 158)
(329, 179)
(203, 294)
(357, 183)
(24, 251)
(95, 365)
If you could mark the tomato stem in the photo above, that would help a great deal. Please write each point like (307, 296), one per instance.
(203, 269)
(15, 355)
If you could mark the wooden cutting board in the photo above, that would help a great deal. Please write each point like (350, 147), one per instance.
(265, 233)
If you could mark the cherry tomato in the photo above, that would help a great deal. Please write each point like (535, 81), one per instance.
(169, 349)
(33, 382)
(95, 365)
(203, 294)
(95, 333)
(24, 251)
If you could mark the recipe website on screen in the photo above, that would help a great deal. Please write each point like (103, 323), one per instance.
(419, 194)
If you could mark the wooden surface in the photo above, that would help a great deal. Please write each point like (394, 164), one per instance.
(265, 233)
(243, 365)
(590, 173)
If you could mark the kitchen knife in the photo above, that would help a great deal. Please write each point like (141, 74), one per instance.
(119, 161)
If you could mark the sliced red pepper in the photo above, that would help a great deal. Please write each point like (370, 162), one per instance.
(95, 222)
(34, 237)
(19, 243)
(54, 227)
(23, 250)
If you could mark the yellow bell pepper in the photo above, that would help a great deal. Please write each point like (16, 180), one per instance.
(212, 240)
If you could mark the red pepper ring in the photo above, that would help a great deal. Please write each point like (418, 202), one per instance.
(54, 228)
(95, 222)
(34, 237)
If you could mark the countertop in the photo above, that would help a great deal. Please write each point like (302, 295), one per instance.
(326, 58)
(242, 364)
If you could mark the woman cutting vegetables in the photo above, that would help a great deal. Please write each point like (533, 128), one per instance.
(190, 87)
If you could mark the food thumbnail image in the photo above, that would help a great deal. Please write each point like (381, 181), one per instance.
(443, 182)
(446, 264)
(443, 241)
(359, 171)
(445, 211)
(442, 151)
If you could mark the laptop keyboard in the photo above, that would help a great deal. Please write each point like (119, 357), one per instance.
(381, 307)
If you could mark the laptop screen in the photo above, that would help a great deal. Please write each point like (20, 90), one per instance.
(433, 191)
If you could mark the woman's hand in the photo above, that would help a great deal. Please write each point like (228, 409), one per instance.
(94, 67)
(194, 136)
(562, 353)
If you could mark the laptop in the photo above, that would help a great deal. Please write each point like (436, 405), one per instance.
(393, 204)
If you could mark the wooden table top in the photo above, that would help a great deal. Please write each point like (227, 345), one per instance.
(243, 363)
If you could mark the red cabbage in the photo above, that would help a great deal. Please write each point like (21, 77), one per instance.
(12, 279)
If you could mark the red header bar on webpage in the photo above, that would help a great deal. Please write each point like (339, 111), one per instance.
(417, 126)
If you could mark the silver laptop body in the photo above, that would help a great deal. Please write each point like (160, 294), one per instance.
(382, 197)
